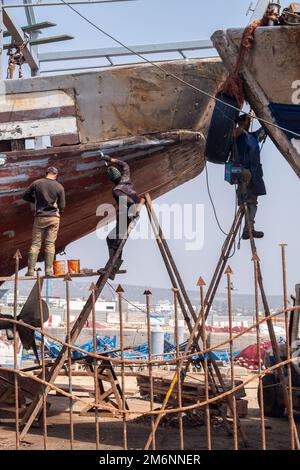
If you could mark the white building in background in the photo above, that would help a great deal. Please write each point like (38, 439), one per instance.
(164, 308)
(134, 306)
(9, 299)
(102, 306)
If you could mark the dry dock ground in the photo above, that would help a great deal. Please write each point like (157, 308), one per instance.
(111, 429)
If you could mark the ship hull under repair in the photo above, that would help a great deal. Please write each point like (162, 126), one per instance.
(272, 81)
(136, 113)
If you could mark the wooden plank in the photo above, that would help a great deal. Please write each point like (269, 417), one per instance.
(33, 278)
(65, 139)
(38, 128)
(37, 100)
(191, 389)
(36, 114)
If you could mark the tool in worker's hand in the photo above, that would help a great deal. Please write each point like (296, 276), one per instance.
(104, 157)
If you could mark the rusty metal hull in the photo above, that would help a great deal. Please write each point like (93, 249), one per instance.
(156, 124)
(271, 77)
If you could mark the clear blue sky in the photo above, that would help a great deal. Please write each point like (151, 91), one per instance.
(153, 21)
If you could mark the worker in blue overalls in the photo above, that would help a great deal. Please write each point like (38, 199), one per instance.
(248, 155)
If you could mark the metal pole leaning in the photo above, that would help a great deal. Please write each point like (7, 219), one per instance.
(217, 276)
(174, 381)
(147, 293)
(272, 335)
(68, 279)
(96, 383)
(169, 263)
(288, 344)
(178, 367)
(162, 245)
(35, 407)
(120, 291)
(226, 250)
(229, 273)
(17, 258)
(259, 358)
(44, 395)
(175, 278)
(201, 284)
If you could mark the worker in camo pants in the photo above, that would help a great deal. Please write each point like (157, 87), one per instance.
(49, 198)
(126, 198)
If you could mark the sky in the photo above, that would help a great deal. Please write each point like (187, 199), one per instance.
(156, 21)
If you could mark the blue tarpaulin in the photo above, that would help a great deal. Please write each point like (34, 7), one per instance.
(107, 343)
(287, 116)
(53, 348)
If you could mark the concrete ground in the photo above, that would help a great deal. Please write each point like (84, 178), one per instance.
(111, 429)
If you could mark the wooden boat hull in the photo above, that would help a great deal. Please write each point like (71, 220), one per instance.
(155, 123)
(271, 78)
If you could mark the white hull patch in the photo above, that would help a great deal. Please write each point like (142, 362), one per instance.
(38, 128)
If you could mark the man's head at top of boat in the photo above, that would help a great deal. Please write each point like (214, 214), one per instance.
(52, 173)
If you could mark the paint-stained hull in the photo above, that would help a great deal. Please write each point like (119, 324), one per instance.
(154, 122)
(272, 81)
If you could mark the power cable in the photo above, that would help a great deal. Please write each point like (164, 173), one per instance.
(124, 298)
(169, 74)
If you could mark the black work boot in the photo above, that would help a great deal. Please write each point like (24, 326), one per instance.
(255, 233)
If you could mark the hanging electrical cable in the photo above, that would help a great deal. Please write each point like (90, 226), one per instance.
(114, 291)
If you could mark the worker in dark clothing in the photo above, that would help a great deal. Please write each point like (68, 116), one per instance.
(49, 198)
(126, 197)
(248, 155)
